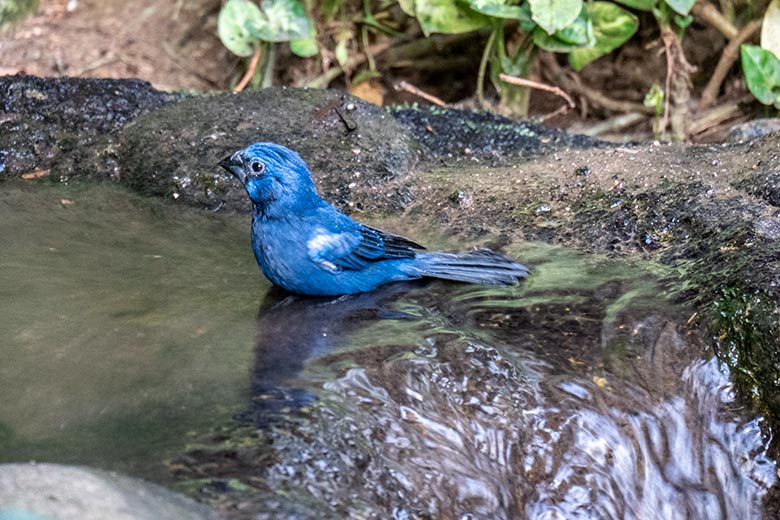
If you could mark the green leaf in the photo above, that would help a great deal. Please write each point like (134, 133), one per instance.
(242, 24)
(528, 25)
(552, 15)
(517, 66)
(682, 7)
(762, 74)
(444, 16)
(305, 48)
(407, 6)
(341, 51)
(654, 98)
(639, 5)
(577, 34)
(550, 43)
(501, 9)
(770, 28)
(612, 27)
(683, 21)
(233, 26)
(282, 21)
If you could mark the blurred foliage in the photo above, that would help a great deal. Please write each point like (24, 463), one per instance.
(243, 26)
(14, 10)
(762, 74)
(761, 65)
(335, 30)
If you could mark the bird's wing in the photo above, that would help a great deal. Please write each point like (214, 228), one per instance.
(355, 248)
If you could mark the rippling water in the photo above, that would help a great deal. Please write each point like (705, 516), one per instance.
(130, 328)
(575, 395)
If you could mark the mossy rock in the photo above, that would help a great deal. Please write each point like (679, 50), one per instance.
(174, 151)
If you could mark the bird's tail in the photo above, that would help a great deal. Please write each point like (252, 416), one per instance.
(482, 266)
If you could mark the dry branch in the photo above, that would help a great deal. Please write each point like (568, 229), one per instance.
(727, 59)
(539, 86)
(408, 87)
(710, 14)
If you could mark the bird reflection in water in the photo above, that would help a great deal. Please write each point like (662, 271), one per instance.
(292, 329)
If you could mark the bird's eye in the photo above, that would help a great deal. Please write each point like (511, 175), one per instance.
(257, 166)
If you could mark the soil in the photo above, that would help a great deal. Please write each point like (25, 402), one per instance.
(173, 45)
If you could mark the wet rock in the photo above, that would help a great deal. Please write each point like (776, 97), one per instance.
(452, 135)
(67, 127)
(491, 407)
(55, 492)
(709, 212)
(750, 130)
(174, 152)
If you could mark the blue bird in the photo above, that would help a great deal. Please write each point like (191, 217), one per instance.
(305, 245)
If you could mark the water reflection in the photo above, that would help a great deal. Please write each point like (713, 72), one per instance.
(577, 402)
(293, 328)
(124, 324)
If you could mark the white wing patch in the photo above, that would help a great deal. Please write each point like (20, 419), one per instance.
(323, 247)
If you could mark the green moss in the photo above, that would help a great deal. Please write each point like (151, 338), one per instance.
(747, 338)
(67, 143)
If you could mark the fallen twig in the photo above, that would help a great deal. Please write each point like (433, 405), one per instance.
(538, 86)
(37, 174)
(558, 111)
(593, 95)
(717, 115)
(613, 124)
(100, 62)
(408, 87)
(250, 71)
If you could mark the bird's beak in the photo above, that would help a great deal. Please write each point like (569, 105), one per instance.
(234, 165)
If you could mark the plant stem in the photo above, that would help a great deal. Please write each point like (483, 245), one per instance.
(727, 58)
(250, 71)
(483, 67)
(710, 14)
(268, 72)
(367, 50)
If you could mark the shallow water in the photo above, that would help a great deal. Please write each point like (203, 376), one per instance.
(578, 394)
(124, 324)
(131, 328)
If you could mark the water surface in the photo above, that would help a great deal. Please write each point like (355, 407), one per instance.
(130, 329)
(581, 393)
(124, 324)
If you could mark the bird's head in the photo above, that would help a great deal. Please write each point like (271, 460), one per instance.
(275, 177)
